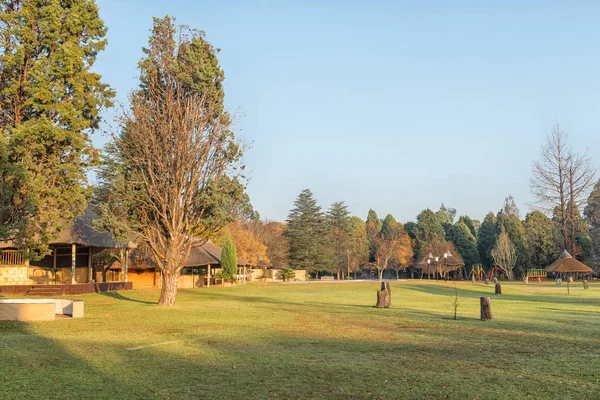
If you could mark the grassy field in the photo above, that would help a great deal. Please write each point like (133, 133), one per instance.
(321, 340)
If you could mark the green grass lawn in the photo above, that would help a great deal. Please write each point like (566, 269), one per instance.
(321, 340)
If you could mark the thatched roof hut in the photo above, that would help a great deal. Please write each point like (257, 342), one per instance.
(82, 232)
(203, 253)
(566, 263)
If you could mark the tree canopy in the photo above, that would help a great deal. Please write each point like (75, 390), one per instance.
(50, 103)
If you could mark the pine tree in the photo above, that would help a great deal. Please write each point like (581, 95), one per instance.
(338, 216)
(465, 243)
(543, 238)
(339, 221)
(470, 223)
(428, 230)
(592, 216)
(486, 238)
(229, 257)
(388, 225)
(373, 227)
(50, 102)
(307, 231)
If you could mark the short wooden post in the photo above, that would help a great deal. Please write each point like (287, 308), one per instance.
(384, 296)
(485, 309)
(498, 288)
(585, 285)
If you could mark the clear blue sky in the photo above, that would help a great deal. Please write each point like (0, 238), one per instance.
(395, 106)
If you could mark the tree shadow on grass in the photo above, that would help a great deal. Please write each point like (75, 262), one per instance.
(530, 297)
(35, 366)
(119, 296)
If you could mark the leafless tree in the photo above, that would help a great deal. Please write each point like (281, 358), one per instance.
(504, 254)
(561, 181)
(175, 159)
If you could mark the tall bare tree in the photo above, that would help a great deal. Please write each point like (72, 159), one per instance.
(561, 180)
(504, 254)
(172, 164)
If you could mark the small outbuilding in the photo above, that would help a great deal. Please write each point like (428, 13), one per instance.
(567, 264)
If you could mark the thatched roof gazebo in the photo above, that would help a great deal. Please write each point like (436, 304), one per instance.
(566, 263)
(442, 265)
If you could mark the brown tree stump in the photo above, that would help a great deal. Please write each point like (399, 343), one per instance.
(498, 288)
(585, 285)
(384, 296)
(485, 309)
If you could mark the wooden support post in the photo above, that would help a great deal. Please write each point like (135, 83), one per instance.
(90, 274)
(384, 296)
(208, 272)
(54, 264)
(73, 262)
(126, 265)
(498, 288)
(244, 275)
(485, 307)
(585, 285)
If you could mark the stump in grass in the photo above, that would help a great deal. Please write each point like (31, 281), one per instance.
(485, 309)
(384, 296)
(585, 285)
(498, 288)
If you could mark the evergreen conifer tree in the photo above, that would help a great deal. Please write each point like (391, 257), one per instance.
(486, 238)
(229, 257)
(307, 231)
(50, 102)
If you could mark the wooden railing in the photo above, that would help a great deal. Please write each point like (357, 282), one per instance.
(11, 258)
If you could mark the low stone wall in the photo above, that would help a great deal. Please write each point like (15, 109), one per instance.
(14, 275)
(19, 311)
(39, 309)
(63, 290)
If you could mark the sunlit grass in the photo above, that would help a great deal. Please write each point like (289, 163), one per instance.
(322, 340)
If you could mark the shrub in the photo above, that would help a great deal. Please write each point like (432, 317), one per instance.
(287, 274)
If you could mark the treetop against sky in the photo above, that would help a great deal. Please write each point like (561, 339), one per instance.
(395, 106)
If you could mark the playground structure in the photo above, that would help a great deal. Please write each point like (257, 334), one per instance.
(479, 274)
(539, 275)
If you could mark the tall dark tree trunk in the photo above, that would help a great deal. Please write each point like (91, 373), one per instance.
(168, 291)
